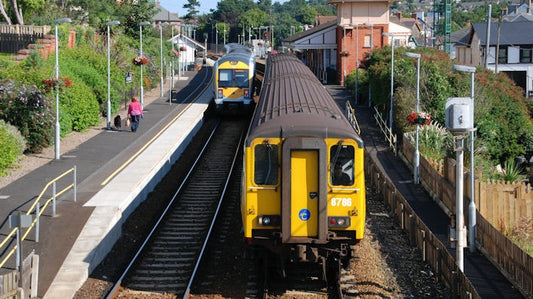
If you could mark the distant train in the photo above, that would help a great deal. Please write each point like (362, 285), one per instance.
(234, 73)
(303, 187)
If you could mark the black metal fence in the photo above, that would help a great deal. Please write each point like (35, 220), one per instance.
(16, 37)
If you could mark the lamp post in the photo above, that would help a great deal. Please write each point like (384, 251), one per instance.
(417, 153)
(344, 56)
(141, 42)
(391, 81)
(172, 62)
(371, 47)
(161, 87)
(472, 205)
(356, 62)
(111, 23)
(58, 128)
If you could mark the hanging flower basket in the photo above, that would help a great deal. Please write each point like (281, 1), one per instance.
(345, 53)
(421, 118)
(50, 84)
(140, 60)
(183, 49)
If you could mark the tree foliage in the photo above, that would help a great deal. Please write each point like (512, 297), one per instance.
(502, 117)
(192, 9)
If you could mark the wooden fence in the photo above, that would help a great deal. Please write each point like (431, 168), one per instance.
(16, 37)
(432, 250)
(512, 261)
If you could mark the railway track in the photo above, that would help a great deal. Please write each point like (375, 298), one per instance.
(169, 258)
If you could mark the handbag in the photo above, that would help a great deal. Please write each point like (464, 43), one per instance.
(128, 122)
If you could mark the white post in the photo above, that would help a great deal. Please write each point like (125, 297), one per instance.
(109, 74)
(416, 159)
(141, 54)
(391, 84)
(459, 204)
(161, 87)
(472, 205)
(371, 48)
(57, 127)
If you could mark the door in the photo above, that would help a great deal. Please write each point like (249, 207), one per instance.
(304, 193)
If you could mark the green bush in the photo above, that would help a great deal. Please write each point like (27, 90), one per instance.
(80, 107)
(502, 115)
(26, 108)
(12, 144)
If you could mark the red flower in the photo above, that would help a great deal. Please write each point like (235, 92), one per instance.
(140, 60)
(421, 118)
(50, 84)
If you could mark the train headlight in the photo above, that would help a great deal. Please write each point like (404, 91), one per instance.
(338, 221)
(220, 93)
(268, 220)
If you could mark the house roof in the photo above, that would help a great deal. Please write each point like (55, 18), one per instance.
(164, 15)
(315, 29)
(511, 33)
(461, 37)
(189, 41)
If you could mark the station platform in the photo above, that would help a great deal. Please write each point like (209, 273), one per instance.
(115, 171)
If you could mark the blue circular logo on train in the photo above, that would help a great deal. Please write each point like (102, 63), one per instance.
(304, 214)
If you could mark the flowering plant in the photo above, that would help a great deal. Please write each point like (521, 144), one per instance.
(140, 60)
(49, 84)
(421, 118)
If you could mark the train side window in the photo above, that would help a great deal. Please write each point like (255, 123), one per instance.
(341, 165)
(225, 78)
(266, 164)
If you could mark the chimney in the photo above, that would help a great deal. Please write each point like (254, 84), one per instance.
(505, 11)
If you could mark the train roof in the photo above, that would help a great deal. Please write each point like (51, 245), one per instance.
(294, 102)
(237, 52)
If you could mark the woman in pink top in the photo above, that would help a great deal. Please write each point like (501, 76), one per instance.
(135, 112)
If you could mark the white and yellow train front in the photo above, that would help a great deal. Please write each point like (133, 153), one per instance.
(233, 86)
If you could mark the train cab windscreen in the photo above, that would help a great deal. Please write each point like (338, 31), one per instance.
(233, 78)
(341, 165)
(266, 164)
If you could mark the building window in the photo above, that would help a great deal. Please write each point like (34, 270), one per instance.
(367, 41)
(525, 54)
(502, 55)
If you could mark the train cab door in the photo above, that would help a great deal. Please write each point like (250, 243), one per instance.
(304, 197)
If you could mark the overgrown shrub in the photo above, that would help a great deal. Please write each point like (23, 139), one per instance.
(12, 144)
(26, 108)
(434, 141)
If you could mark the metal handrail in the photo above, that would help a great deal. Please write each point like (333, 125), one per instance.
(39, 211)
(389, 136)
(350, 114)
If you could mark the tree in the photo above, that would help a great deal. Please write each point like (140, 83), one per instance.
(254, 17)
(134, 12)
(228, 11)
(192, 9)
(14, 10)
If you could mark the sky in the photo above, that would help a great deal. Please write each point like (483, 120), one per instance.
(177, 6)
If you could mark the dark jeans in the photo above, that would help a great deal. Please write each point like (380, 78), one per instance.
(135, 122)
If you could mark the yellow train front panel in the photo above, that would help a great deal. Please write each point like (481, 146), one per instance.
(340, 177)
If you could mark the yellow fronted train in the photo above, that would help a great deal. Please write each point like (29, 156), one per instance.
(303, 188)
(234, 73)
